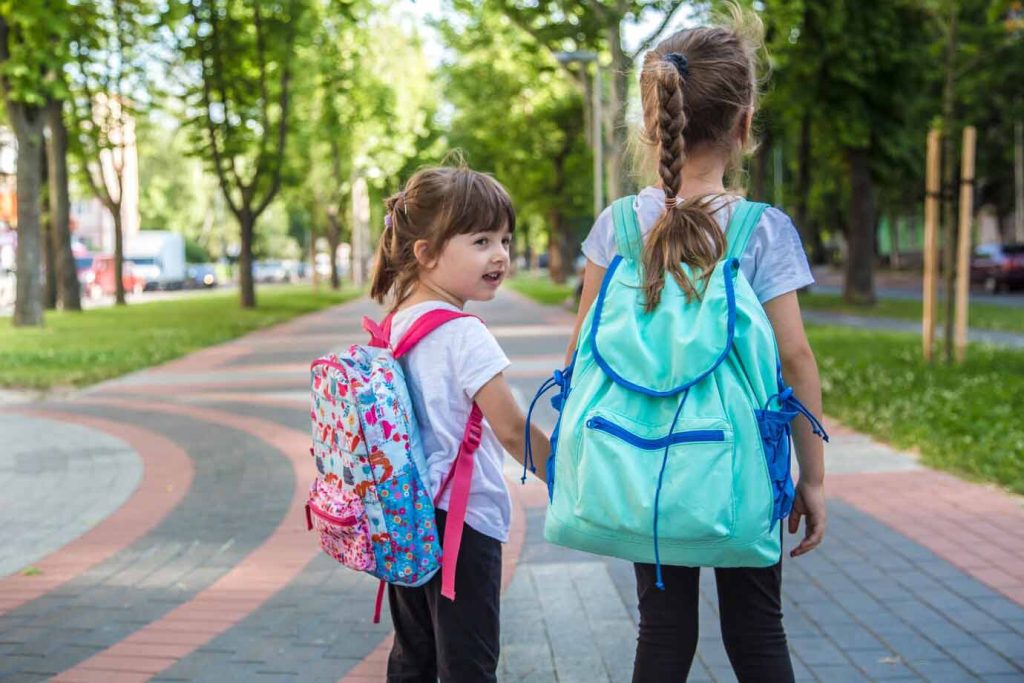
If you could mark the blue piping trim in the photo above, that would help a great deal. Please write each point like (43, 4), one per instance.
(692, 436)
(657, 493)
(730, 295)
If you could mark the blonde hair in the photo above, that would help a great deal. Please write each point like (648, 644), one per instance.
(436, 205)
(696, 87)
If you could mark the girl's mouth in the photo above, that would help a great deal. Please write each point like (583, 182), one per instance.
(495, 277)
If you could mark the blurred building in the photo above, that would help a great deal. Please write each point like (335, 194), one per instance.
(91, 222)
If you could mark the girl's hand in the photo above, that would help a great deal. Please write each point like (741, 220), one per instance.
(810, 504)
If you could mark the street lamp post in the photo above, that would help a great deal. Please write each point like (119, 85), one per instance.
(597, 116)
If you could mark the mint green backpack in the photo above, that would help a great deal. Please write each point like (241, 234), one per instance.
(673, 441)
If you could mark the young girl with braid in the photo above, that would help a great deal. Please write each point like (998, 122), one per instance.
(699, 88)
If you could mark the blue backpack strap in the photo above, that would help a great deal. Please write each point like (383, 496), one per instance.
(628, 238)
(745, 217)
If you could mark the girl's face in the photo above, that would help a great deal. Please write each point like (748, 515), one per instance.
(471, 267)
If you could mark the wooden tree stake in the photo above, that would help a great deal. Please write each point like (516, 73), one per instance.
(963, 278)
(931, 255)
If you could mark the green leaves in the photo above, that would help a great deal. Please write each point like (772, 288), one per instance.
(33, 49)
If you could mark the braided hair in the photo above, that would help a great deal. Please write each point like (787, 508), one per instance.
(696, 86)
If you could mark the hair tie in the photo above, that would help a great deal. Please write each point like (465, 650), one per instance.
(680, 62)
(387, 221)
(671, 202)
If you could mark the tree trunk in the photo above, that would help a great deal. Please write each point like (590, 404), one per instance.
(46, 232)
(333, 239)
(620, 181)
(28, 128)
(556, 246)
(809, 233)
(118, 256)
(859, 285)
(68, 288)
(245, 283)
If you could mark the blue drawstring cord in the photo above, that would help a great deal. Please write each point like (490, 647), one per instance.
(558, 379)
(528, 456)
(788, 401)
(657, 494)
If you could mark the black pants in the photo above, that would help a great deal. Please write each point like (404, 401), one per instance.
(458, 641)
(750, 608)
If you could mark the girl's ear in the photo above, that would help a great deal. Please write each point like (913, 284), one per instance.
(421, 250)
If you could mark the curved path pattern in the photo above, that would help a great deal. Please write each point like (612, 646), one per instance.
(152, 530)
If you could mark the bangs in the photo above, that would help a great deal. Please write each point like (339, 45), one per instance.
(478, 204)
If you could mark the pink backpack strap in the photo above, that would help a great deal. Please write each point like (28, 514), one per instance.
(460, 476)
(424, 325)
(379, 336)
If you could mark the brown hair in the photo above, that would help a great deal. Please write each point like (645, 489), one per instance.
(696, 86)
(436, 205)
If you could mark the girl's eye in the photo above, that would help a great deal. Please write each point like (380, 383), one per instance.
(506, 241)
(482, 241)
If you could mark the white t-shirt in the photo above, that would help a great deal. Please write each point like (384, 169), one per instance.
(444, 371)
(774, 263)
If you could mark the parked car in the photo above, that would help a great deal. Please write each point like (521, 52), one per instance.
(101, 282)
(200, 275)
(998, 267)
(159, 257)
(271, 271)
(83, 264)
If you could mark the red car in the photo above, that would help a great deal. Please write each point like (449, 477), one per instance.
(998, 267)
(102, 280)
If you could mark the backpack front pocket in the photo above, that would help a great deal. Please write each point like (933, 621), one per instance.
(339, 519)
(620, 466)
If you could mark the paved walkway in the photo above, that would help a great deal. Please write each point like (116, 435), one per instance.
(192, 562)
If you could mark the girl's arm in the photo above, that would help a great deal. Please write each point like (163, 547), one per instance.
(509, 424)
(800, 371)
(593, 275)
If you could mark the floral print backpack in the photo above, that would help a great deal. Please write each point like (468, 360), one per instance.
(370, 503)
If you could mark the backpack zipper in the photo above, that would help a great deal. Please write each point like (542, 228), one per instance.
(692, 436)
(340, 521)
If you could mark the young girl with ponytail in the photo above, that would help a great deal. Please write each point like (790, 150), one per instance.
(699, 91)
(446, 243)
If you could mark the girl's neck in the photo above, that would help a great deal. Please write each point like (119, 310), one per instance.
(703, 174)
(424, 291)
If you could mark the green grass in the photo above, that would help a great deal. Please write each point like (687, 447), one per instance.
(77, 349)
(963, 418)
(541, 289)
(981, 316)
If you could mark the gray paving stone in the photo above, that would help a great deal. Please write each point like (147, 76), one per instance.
(943, 671)
(838, 673)
(817, 652)
(983, 660)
